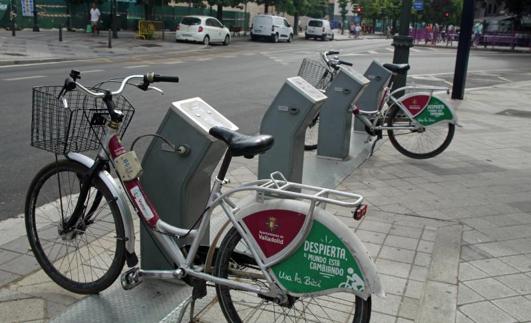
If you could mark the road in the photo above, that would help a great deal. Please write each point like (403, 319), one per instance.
(240, 81)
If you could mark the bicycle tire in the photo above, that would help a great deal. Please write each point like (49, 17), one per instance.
(312, 135)
(91, 244)
(421, 137)
(269, 313)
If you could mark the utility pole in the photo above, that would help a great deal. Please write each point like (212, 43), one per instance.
(35, 22)
(463, 50)
(402, 42)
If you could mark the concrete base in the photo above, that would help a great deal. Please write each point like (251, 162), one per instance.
(152, 301)
(326, 172)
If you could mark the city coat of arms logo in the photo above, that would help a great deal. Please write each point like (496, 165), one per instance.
(271, 224)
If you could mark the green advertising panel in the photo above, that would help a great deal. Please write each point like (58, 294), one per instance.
(322, 262)
(435, 111)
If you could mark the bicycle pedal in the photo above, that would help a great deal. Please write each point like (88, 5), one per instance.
(131, 278)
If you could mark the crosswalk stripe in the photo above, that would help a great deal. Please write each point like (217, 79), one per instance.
(24, 78)
(373, 52)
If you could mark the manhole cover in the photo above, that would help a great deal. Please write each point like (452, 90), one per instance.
(14, 54)
(515, 113)
(150, 45)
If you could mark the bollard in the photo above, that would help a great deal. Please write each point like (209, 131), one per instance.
(109, 45)
(60, 33)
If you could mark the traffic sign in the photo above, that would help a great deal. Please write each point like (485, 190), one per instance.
(418, 5)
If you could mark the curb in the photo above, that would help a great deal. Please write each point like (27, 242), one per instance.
(520, 51)
(439, 302)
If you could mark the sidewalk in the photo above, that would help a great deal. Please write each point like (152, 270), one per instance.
(450, 236)
(30, 47)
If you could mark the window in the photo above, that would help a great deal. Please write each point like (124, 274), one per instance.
(190, 21)
(286, 23)
(315, 23)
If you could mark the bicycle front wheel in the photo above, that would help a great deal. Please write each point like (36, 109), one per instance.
(87, 258)
(234, 261)
(312, 134)
(419, 144)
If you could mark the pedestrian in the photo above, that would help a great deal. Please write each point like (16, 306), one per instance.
(95, 18)
(358, 31)
(352, 30)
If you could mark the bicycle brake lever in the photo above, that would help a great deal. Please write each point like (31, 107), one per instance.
(154, 88)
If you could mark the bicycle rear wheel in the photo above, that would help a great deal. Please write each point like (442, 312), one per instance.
(234, 261)
(312, 134)
(418, 144)
(88, 258)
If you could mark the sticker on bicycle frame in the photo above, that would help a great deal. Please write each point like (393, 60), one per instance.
(434, 112)
(273, 230)
(322, 262)
(127, 166)
(137, 195)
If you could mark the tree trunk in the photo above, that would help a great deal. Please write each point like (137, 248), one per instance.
(219, 14)
(296, 24)
(266, 7)
(373, 24)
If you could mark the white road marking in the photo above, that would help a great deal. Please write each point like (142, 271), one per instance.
(91, 71)
(372, 52)
(249, 54)
(353, 54)
(136, 66)
(389, 49)
(504, 79)
(25, 78)
(415, 50)
(173, 62)
(227, 56)
(202, 59)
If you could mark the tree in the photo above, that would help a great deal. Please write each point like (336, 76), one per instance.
(297, 8)
(517, 7)
(343, 11)
(222, 3)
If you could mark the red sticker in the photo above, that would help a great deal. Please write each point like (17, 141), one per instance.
(273, 230)
(416, 104)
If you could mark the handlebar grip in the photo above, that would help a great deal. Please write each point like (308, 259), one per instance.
(152, 78)
(332, 52)
(345, 63)
(169, 79)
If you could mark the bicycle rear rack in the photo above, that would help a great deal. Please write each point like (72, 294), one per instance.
(278, 186)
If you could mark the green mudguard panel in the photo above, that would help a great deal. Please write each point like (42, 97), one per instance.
(322, 262)
(428, 110)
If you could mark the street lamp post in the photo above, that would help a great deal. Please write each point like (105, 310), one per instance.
(402, 42)
(35, 23)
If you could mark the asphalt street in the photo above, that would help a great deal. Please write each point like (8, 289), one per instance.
(240, 81)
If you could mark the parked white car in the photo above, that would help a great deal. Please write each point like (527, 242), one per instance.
(273, 28)
(204, 29)
(319, 29)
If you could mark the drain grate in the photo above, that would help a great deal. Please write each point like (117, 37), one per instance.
(150, 45)
(515, 113)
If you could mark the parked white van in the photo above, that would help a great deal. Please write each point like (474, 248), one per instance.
(319, 28)
(269, 27)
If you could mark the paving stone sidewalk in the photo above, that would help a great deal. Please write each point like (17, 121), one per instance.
(30, 46)
(418, 210)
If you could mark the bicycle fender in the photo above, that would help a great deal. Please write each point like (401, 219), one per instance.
(428, 109)
(309, 255)
(119, 195)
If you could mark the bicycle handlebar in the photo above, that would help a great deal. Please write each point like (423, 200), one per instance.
(334, 63)
(71, 84)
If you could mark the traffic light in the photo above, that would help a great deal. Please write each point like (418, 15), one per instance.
(446, 14)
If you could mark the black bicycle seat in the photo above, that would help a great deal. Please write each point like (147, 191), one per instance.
(240, 144)
(397, 68)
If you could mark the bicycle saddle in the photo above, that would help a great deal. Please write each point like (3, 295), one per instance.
(397, 68)
(240, 144)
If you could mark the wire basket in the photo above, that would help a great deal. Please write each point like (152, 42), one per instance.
(76, 125)
(315, 73)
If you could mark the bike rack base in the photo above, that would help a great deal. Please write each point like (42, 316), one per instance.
(151, 301)
(329, 172)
